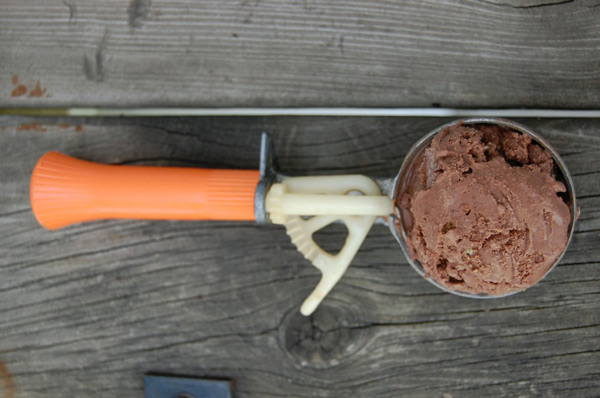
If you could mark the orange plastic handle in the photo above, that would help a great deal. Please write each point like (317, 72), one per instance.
(65, 190)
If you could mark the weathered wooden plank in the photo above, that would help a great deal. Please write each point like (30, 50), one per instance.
(539, 53)
(87, 310)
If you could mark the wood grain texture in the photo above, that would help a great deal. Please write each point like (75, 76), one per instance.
(87, 310)
(465, 53)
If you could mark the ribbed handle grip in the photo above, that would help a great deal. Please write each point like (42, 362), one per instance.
(65, 190)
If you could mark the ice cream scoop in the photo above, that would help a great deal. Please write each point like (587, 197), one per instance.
(65, 190)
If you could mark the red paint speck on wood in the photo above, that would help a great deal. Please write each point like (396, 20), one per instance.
(37, 91)
(31, 127)
(7, 384)
(18, 91)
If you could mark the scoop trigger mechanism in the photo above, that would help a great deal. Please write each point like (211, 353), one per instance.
(305, 205)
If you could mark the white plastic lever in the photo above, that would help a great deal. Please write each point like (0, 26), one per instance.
(326, 199)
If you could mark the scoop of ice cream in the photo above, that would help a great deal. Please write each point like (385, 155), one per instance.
(481, 210)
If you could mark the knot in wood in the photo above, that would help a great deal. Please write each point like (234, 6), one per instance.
(322, 340)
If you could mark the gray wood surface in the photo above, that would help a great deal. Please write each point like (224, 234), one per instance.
(466, 53)
(87, 310)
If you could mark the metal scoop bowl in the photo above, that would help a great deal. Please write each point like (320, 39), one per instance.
(397, 227)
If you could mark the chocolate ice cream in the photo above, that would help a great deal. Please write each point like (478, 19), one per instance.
(482, 211)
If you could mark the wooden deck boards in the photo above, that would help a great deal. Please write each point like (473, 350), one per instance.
(87, 310)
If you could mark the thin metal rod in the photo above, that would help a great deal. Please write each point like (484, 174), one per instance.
(347, 112)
